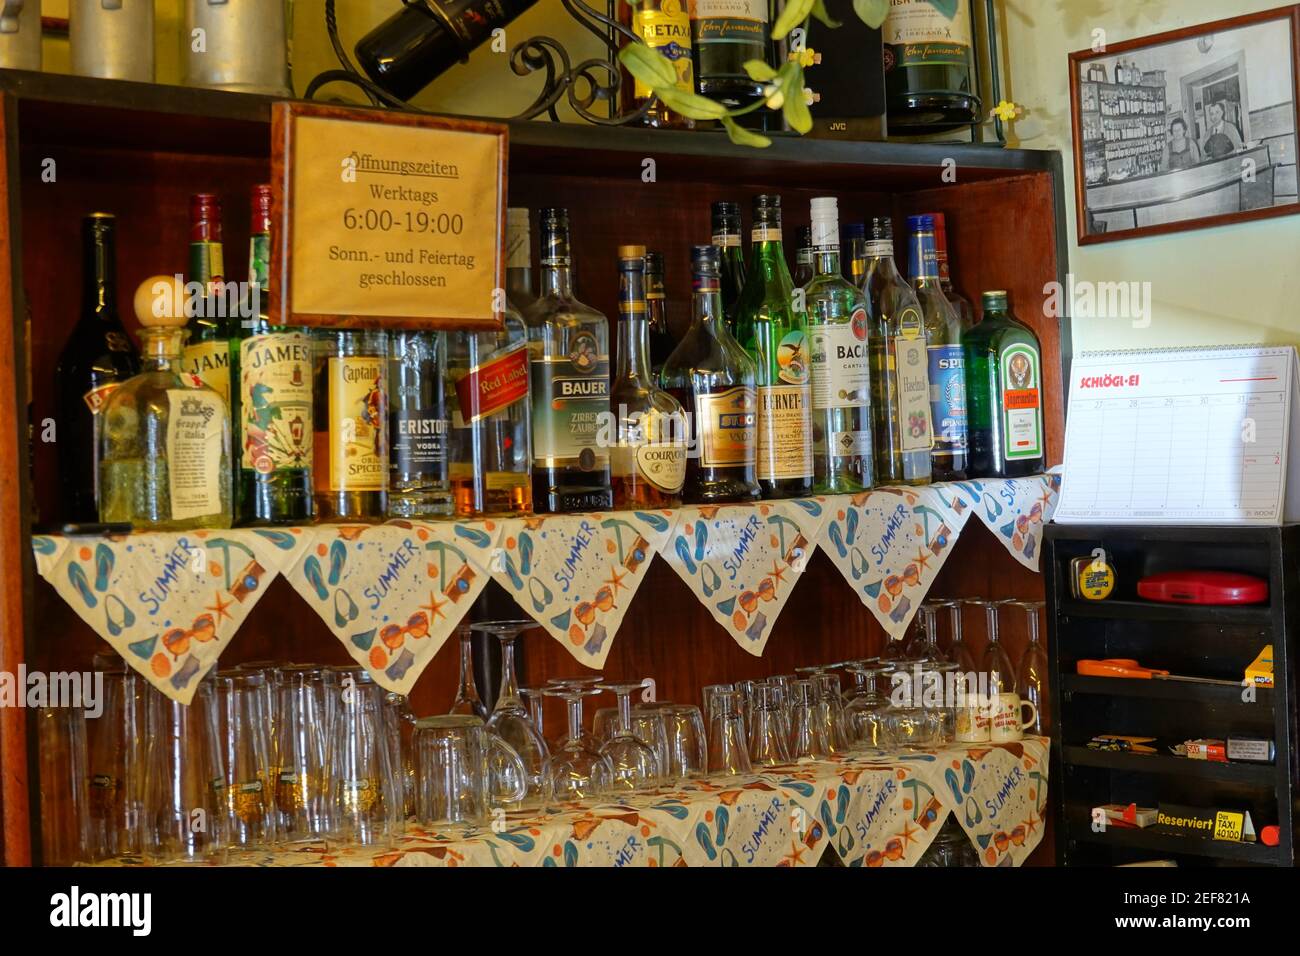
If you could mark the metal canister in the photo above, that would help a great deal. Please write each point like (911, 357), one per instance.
(20, 34)
(112, 39)
(238, 45)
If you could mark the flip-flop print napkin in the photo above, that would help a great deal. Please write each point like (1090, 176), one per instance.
(1016, 510)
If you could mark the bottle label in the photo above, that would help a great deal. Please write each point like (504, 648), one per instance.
(419, 440)
(196, 428)
(518, 251)
(880, 249)
(911, 367)
(570, 396)
(668, 30)
(210, 361)
(917, 34)
(948, 395)
(784, 432)
(96, 397)
(647, 450)
(730, 21)
(838, 354)
(358, 411)
(662, 465)
(765, 233)
(275, 401)
(725, 423)
(1022, 407)
(850, 444)
(207, 263)
(493, 386)
(726, 240)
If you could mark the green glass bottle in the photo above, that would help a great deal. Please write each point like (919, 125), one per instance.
(274, 429)
(774, 333)
(839, 359)
(900, 381)
(726, 236)
(943, 333)
(1004, 386)
(803, 257)
(212, 317)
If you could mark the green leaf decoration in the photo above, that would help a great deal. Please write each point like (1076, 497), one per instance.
(743, 137)
(947, 7)
(760, 71)
(647, 65)
(795, 107)
(795, 13)
(820, 12)
(872, 12)
(690, 104)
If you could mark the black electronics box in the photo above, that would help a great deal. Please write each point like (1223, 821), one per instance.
(849, 82)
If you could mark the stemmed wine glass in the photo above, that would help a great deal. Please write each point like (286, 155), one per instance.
(577, 771)
(1032, 685)
(635, 762)
(510, 719)
(959, 651)
(996, 663)
(589, 737)
(534, 697)
(467, 700)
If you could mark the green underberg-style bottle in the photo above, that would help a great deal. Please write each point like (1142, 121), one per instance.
(274, 429)
(1004, 385)
(774, 334)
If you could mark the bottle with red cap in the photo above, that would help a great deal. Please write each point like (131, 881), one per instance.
(211, 306)
(273, 427)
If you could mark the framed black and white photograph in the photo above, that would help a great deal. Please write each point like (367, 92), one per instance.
(1187, 129)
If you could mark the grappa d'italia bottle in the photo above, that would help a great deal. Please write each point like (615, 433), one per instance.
(1004, 383)
(165, 443)
(350, 446)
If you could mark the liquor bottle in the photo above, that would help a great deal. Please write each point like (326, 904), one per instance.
(961, 305)
(804, 270)
(519, 259)
(839, 359)
(350, 418)
(273, 436)
(713, 379)
(568, 344)
(724, 35)
(164, 454)
(648, 463)
(948, 457)
(929, 82)
(774, 334)
(726, 236)
(212, 324)
(419, 482)
(1004, 386)
(900, 383)
(491, 452)
(855, 253)
(664, 26)
(662, 342)
(97, 358)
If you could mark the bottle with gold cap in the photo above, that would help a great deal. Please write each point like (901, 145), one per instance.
(165, 441)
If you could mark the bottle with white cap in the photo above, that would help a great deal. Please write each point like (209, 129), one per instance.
(839, 360)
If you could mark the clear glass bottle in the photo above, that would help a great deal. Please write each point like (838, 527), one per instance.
(568, 344)
(726, 223)
(350, 444)
(491, 451)
(855, 252)
(900, 383)
(419, 485)
(943, 338)
(662, 342)
(648, 462)
(519, 259)
(165, 442)
(774, 333)
(839, 358)
(803, 257)
(712, 378)
(961, 305)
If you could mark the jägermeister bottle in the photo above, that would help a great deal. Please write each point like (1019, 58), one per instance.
(900, 381)
(774, 333)
(1004, 385)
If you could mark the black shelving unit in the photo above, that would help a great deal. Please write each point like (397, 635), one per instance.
(1188, 640)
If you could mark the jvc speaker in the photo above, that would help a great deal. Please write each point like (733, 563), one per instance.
(849, 83)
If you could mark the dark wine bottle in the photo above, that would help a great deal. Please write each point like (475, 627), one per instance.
(97, 358)
(929, 81)
(726, 236)
(724, 35)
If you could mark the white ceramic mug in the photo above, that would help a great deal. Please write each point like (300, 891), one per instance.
(1006, 713)
(973, 720)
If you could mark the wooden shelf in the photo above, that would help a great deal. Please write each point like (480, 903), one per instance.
(1164, 842)
(1263, 775)
(1218, 694)
(1253, 615)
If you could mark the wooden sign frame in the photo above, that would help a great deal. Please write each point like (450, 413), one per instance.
(284, 158)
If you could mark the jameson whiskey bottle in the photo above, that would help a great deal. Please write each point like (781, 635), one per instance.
(774, 333)
(350, 444)
(664, 26)
(568, 344)
(491, 456)
(662, 342)
(273, 435)
(419, 482)
(928, 76)
(960, 304)
(839, 359)
(803, 257)
(1004, 385)
(726, 236)
(900, 381)
(855, 253)
(713, 379)
(213, 324)
(648, 457)
(943, 337)
(519, 259)
(725, 34)
(98, 357)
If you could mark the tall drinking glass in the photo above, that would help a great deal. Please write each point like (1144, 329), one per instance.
(365, 796)
(728, 743)
(185, 783)
(301, 735)
(116, 744)
(768, 732)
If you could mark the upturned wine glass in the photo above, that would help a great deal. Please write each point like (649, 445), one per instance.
(510, 719)
(1032, 683)
(635, 761)
(577, 771)
(467, 700)
(996, 662)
